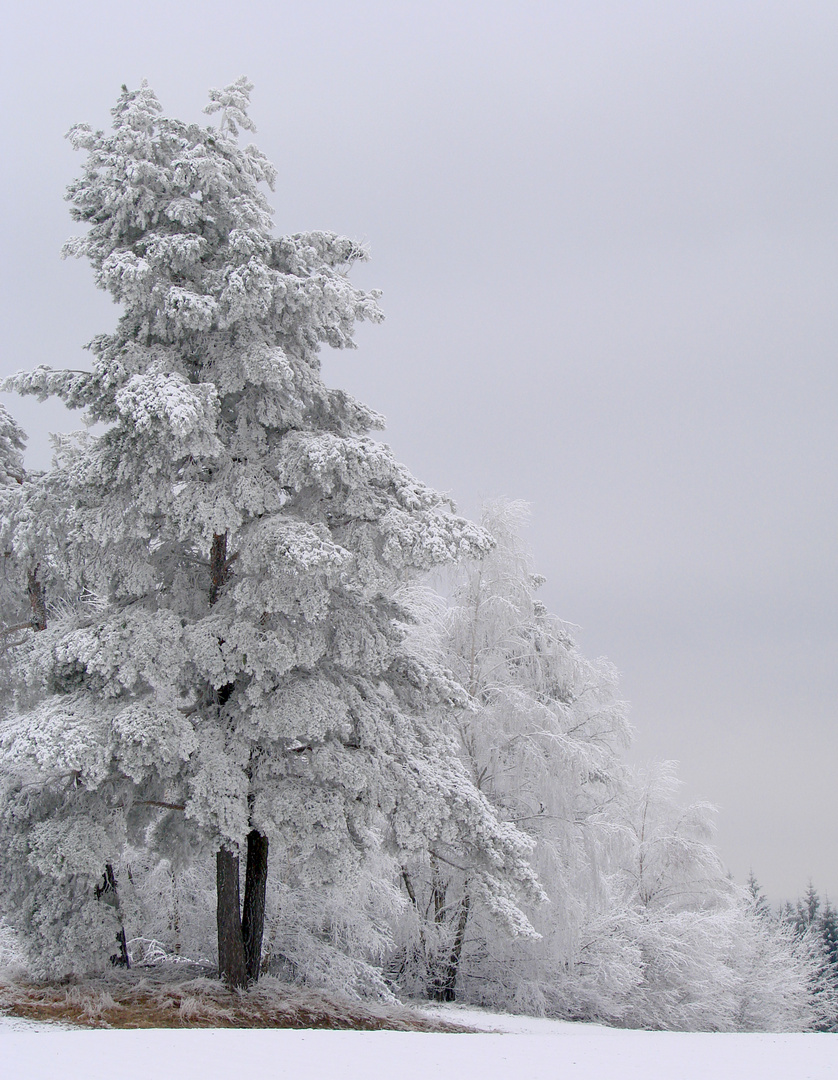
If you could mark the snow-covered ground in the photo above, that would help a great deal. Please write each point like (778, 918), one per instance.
(517, 1047)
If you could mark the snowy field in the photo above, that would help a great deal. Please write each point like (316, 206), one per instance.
(516, 1047)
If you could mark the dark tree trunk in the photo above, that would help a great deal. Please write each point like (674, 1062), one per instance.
(449, 981)
(438, 890)
(175, 914)
(253, 917)
(240, 933)
(37, 599)
(420, 952)
(231, 962)
(109, 891)
(232, 966)
(121, 958)
(408, 884)
(444, 984)
(219, 566)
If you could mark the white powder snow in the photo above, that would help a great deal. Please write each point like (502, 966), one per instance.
(528, 1049)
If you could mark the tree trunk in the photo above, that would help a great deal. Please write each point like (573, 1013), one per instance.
(175, 914)
(419, 953)
(231, 962)
(253, 917)
(37, 599)
(438, 890)
(232, 965)
(109, 890)
(218, 565)
(453, 968)
(444, 984)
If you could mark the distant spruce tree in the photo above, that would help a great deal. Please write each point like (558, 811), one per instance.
(759, 901)
(811, 905)
(816, 925)
(828, 928)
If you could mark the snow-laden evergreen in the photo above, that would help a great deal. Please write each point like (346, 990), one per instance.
(239, 670)
(12, 477)
(12, 446)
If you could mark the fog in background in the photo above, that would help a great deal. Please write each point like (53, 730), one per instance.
(606, 238)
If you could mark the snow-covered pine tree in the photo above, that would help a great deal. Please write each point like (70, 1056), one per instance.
(814, 926)
(828, 929)
(24, 582)
(13, 616)
(809, 907)
(28, 512)
(758, 898)
(246, 675)
(12, 446)
(15, 610)
(771, 966)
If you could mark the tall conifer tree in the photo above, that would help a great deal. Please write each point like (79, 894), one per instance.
(243, 674)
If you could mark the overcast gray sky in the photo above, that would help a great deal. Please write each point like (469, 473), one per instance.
(607, 235)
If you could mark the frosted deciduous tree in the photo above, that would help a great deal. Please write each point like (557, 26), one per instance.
(644, 928)
(704, 956)
(245, 676)
(669, 859)
(541, 742)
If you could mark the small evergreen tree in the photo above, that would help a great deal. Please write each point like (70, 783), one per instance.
(759, 901)
(816, 926)
(828, 928)
(13, 609)
(829, 933)
(811, 906)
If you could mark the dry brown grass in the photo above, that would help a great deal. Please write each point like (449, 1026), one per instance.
(161, 998)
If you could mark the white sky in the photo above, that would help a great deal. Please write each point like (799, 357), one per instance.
(606, 235)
